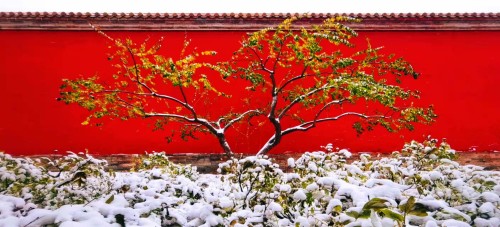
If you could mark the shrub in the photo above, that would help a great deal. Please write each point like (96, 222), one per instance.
(254, 179)
(78, 179)
(323, 189)
(159, 160)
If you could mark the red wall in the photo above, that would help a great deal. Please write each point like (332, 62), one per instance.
(460, 76)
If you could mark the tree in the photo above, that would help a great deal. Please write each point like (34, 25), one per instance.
(308, 75)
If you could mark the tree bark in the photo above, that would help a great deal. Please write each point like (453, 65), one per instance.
(224, 144)
(270, 144)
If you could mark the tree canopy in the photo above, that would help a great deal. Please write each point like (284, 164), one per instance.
(306, 75)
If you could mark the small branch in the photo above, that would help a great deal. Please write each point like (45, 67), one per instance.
(183, 94)
(93, 199)
(240, 182)
(219, 121)
(302, 75)
(311, 124)
(241, 116)
(308, 125)
(327, 105)
(274, 102)
(126, 104)
(202, 122)
(34, 220)
(267, 59)
(153, 94)
(278, 57)
(186, 104)
(169, 115)
(298, 99)
(261, 63)
(137, 77)
(76, 176)
(250, 188)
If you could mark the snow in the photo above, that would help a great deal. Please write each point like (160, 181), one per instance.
(226, 202)
(328, 147)
(332, 204)
(357, 194)
(326, 181)
(285, 188)
(299, 195)
(275, 207)
(291, 162)
(10, 222)
(312, 166)
(345, 152)
(385, 191)
(431, 224)
(490, 197)
(323, 189)
(487, 209)
(435, 175)
(481, 222)
(312, 187)
(454, 223)
(433, 204)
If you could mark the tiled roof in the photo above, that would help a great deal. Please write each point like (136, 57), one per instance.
(239, 15)
(240, 21)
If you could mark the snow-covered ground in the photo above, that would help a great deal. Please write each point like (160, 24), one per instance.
(419, 186)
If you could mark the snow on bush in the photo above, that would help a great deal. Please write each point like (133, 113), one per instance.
(419, 186)
(74, 178)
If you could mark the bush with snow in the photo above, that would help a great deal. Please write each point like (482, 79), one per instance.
(418, 186)
(51, 183)
(159, 160)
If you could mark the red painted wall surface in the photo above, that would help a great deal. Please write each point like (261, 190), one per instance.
(460, 76)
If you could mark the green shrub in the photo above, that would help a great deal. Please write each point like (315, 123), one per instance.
(71, 179)
(159, 160)
(254, 179)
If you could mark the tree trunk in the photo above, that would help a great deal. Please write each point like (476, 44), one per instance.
(270, 144)
(223, 143)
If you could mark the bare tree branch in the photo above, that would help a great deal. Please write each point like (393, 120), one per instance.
(154, 94)
(311, 124)
(146, 94)
(301, 97)
(308, 125)
(241, 116)
(302, 75)
(261, 62)
(151, 114)
(137, 76)
(280, 52)
(186, 104)
(328, 105)
(274, 94)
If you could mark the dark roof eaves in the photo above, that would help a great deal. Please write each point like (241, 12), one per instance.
(239, 21)
(243, 15)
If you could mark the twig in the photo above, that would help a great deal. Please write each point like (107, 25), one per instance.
(36, 219)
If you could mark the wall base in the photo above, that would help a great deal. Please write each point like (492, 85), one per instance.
(208, 163)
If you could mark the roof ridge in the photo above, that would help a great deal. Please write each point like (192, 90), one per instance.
(240, 21)
(240, 15)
